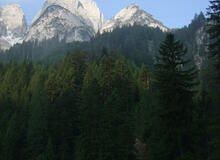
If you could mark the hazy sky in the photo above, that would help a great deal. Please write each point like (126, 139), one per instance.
(173, 13)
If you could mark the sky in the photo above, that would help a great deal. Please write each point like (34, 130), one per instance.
(173, 13)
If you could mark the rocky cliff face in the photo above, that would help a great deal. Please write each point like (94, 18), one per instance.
(69, 20)
(13, 26)
(132, 15)
(72, 20)
(57, 21)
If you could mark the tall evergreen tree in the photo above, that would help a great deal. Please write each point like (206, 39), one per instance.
(123, 100)
(37, 128)
(214, 31)
(106, 84)
(90, 121)
(175, 84)
(214, 50)
(117, 122)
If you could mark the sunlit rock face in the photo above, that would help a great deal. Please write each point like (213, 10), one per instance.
(131, 15)
(13, 26)
(72, 20)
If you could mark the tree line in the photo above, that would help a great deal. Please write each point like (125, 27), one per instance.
(110, 108)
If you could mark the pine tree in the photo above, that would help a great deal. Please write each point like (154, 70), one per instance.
(214, 51)
(10, 139)
(122, 101)
(64, 92)
(143, 109)
(90, 121)
(214, 31)
(37, 125)
(175, 83)
(106, 79)
(117, 111)
(106, 84)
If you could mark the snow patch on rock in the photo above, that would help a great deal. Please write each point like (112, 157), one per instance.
(132, 15)
(13, 26)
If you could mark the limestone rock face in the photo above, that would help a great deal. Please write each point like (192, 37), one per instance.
(72, 20)
(131, 15)
(13, 26)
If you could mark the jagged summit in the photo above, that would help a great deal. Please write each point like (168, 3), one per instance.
(60, 22)
(13, 25)
(72, 20)
(131, 15)
(132, 5)
(87, 9)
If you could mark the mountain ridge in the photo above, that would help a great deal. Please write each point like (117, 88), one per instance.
(130, 15)
(77, 20)
(78, 7)
(67, 24)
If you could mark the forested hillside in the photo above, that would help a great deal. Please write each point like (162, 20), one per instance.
(136, 93)
(139, 44)
(107, 108)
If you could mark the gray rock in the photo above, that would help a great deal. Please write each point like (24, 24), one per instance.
(132, 15)
(13, 26)
(57, 21)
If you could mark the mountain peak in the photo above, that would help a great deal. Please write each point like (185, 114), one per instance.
(86, 9)
(127, 12)
(71, 20)
(13, 25)
(130, 15)
(12, 15)
(133, 5)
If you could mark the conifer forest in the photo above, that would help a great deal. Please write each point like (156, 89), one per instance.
(136, 93)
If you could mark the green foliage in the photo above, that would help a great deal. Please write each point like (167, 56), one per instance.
(90, 118)
(212, 83)
(214, 31)
(138, 44)
(104, 109)
(110, 103)
(173, 138)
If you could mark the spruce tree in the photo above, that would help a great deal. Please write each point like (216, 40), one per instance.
(122, 101)
(214, 31)
(214, 51)
(175, 82)
(144, 108)
(106, 84)
(90, 121)
(37, 125)
(117, 111)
